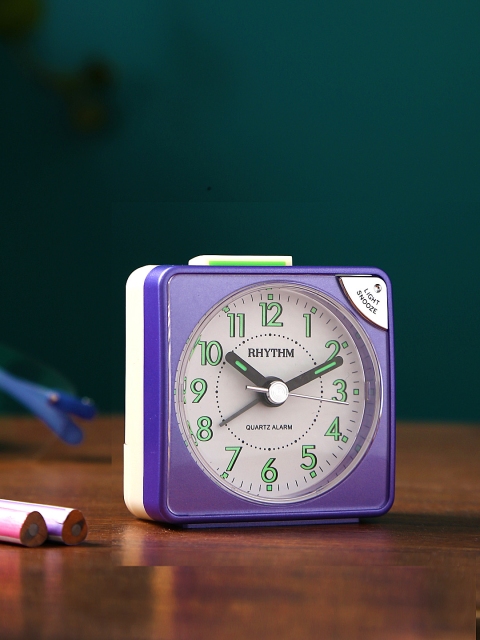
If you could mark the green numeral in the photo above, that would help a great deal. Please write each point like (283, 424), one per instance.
(241, 324)
(342, 387)
(334, 430)
(236, 453)
(336, 348)
(308, 325)
(191, 433)
(200, 392)
(269, 473)
(204, 431)
(273, 320)
(306, 454)
(206, 354)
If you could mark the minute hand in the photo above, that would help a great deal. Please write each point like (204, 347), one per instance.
(316, 372)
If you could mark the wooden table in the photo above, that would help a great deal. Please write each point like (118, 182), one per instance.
(413, 573)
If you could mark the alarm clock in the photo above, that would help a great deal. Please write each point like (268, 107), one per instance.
(258, 392)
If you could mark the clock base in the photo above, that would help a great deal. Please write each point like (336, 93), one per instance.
(270, 523)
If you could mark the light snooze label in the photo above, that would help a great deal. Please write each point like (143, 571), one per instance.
(368, 300)
(369, 296)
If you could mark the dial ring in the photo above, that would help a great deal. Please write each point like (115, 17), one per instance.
(370, 374)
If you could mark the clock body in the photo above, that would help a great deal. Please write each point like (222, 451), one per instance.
(259, 394)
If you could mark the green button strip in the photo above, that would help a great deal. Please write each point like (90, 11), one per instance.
(241, 261)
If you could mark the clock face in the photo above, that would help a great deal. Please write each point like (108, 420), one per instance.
(278, 393)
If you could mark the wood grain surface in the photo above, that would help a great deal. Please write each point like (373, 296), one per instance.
(410, 574)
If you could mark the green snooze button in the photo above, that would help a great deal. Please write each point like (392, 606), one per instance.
(242, 261)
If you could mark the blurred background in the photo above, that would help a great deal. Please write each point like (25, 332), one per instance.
(342, 133)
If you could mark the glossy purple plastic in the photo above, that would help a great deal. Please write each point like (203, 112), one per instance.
(176, 490)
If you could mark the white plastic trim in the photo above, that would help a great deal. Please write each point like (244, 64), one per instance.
(133, 447)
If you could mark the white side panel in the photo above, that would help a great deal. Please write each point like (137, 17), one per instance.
(133, 448)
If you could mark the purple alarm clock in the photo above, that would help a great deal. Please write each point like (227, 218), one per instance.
(259, 393)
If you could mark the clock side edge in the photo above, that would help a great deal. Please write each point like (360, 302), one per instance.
(392, 392)
(133, 474)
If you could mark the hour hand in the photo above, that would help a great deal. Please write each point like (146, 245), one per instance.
(245, 369)
(316, 372)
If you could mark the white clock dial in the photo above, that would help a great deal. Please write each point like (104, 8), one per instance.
(314, 400)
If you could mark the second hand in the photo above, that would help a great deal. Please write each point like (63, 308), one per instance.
(297, 395)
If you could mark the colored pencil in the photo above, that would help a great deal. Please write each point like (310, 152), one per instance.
(63, 524)
(22, 527)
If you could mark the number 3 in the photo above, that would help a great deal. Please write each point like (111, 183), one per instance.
(342, 386)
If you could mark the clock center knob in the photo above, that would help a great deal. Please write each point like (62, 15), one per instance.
(277, 392)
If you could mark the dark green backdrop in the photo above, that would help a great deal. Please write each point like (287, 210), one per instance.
(342, 133)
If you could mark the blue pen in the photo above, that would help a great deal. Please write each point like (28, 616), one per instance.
(50, 405)
(83, 408)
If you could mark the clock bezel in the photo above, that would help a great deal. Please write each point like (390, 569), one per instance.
(335, 477)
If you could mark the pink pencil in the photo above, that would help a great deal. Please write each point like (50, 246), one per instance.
(63, 524)
(22, 527)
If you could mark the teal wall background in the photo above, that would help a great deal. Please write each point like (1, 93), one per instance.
(341, 133)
